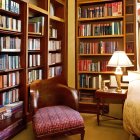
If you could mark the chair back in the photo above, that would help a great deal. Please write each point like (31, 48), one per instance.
(45, 91)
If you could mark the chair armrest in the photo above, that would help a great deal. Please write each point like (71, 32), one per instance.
(34, 100)
(68, 96)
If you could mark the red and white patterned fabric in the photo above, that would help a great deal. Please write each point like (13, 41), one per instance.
(55, 119)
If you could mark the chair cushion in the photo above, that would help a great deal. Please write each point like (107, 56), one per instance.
(55, 119)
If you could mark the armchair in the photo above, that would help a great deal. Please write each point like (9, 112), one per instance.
(55, 107)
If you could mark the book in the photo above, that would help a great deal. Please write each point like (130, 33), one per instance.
(52, 9)
(2, 109)
(36, 24)
(14, 105)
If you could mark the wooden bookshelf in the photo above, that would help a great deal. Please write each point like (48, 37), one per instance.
(13, 44)
(130, 36)
(101, 29)
(57, 39)
(31, 48)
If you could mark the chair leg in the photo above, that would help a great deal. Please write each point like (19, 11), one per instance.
(82, 135)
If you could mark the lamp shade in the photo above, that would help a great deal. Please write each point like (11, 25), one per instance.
(119, 59)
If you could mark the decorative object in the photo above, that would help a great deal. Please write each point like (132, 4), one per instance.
(119, 59)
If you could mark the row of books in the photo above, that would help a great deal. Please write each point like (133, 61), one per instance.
(34, 60)
(54, 45)
(10, 5)
(34, 44)
(10, 96)
(15, 108)
(100, 47)
(52, 32)
(9, 62)
(10, 79)
(100, 10)
(34, 75)
(108, 28)
(36, 25)
(10, 23)
(55, 71)
(54, 58)
(7, 42)
(2, 111)
(89, 81)
(90, 65)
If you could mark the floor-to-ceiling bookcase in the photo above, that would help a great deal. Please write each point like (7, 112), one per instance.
(33, 45)
(13, 15)
(102, 27)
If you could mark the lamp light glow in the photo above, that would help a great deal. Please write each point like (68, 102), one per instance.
(119, 59)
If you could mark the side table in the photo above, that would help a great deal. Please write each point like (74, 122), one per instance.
(111, 96)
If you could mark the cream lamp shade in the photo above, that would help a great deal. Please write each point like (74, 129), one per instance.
(119, 59)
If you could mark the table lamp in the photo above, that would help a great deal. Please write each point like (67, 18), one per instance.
(119, 59)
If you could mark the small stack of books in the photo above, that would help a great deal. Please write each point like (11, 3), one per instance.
(2, 111)
(14, 108)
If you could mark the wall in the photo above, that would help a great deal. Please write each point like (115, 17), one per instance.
(71, 43)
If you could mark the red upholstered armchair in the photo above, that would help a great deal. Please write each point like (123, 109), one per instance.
(54, 109)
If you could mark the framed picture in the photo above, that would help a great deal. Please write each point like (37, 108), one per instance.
(113, 82)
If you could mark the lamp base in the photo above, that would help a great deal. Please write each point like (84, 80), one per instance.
(118, 79)
(118, 89)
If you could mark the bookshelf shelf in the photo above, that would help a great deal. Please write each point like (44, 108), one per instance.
(10, 50)
(91, 1)
(33, 51)
(101, 18)
(61, 2)
(12, 70)
(9, 13)
(55, 64)
(94, 55)
(93, 72)
(87, 103)
(37, 9)
(34, 67)
(8, 88)
(90, 89)
(33, 34)
(56, 19)
(130, 54)
(129, 15)
(105, 36)
(9, 32)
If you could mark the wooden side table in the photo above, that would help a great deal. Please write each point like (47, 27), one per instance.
(109, 96)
